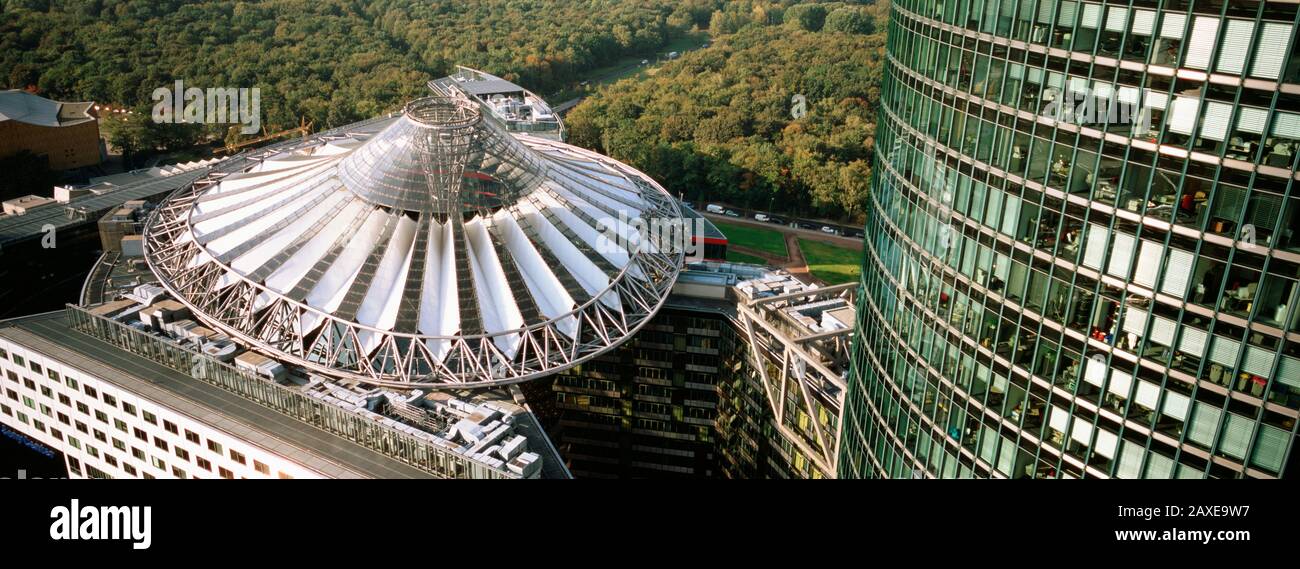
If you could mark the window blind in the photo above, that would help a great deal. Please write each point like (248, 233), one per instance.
(1082, 432)
(1251, 120)
(1237, 431)
(1147, 394)
(1270, 50)
(1128, 95)
(1106, 443)
(1205, 29)
(1091, 17)
(1288, 372)
(1066, 16)
(1156, 99)
(1265, 210)
(1183, 117)
(1259, 361)
(1205, 424)
(1045, 11)
(1130, 460)
(1094, 248)
(1060, 418)
(1159, 466)
(1162, 331)
(1135, 321)
(1121, 384)
(1224, 352)
(1095, 372)
(1215, 124)
(1286, 125)
(1193, 341)
(1236, 45)
(1148, 263)
(1175, 405)
(1116, 19)
(1177, 272)
(1121, 255)
(1144, 22)
(1006, 456)
(1173, 26)
(1270, 448)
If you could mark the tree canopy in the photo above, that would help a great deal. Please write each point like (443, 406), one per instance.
(718, 124)
(328, 61)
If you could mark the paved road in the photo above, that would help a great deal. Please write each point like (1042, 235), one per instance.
(837, 240)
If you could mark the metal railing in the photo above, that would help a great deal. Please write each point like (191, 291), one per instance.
(378, 437)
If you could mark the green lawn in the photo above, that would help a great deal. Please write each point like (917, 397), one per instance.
(631, 65)
(835, 265)
(737, 257)
(765, 240)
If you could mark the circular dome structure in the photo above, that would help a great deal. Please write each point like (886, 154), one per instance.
(427, 249)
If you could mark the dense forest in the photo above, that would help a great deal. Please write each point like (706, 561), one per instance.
(715, 124)
(327, 61)
(719, 124)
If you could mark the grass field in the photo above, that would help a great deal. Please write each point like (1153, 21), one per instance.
(631, 65)
(835, 265)
(765, 240)
(737, 257)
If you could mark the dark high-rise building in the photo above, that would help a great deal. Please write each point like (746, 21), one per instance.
(1084, 244)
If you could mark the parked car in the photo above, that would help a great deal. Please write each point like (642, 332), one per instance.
(829, 229)
(713, 208)
(776, 220)
(855, 234)
(731, 213)
(804, 225)
(761, 217)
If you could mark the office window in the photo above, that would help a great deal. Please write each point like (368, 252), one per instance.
(70, 382)
(237, 456)
(6, 410)
(171, 427)
(101, 416)
(203, 463)
(121, 425)
(262, 468)
(140, 434)
(91, 392)
(83, 408)
(64, 400)
(150, 418)
(214, 447)
(226, 473)
(158, 463)
(129, 469)
(129, 408)
(1269, 54)
(110, 400)
(182, 454)
(137, 453)
(158, 442)
(191, 436)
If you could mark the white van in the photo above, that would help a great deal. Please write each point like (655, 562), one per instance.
(761, 217)
(713, 208)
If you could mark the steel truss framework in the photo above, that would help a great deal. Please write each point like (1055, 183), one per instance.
(793, 362)
(473, 357)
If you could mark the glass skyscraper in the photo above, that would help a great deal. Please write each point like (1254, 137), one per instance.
(1083, 251)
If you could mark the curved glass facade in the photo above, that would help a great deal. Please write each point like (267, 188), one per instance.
(1083, 258)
